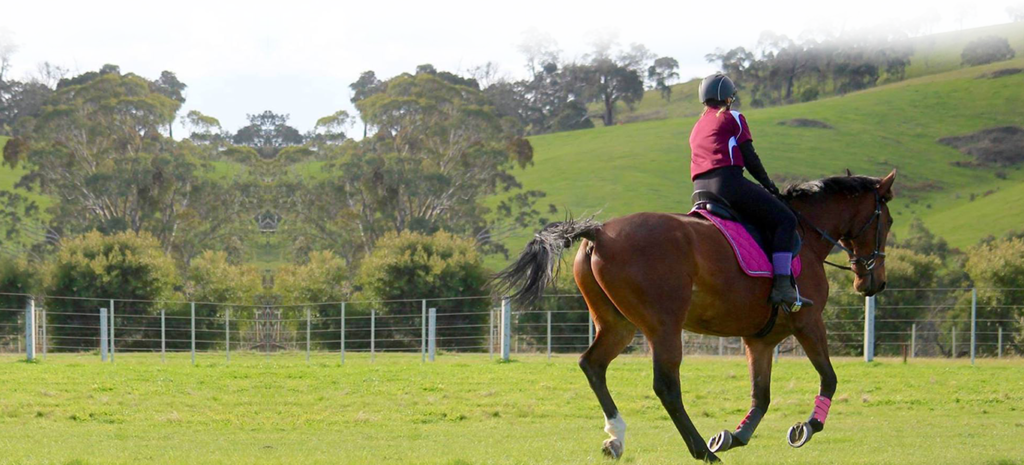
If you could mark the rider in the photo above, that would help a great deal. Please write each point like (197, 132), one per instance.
(721, 146)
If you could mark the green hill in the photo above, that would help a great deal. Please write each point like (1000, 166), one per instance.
(936, 53)
(645, 166)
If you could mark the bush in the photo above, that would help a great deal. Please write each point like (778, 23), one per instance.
(997, 269)
(416, 266)
(211, 280)
(986, 50)
(322, 280)
(93, 268)
(16, 277)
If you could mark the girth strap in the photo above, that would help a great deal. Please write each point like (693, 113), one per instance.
(770, 325)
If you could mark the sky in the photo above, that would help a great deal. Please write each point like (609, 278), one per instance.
(298, 57)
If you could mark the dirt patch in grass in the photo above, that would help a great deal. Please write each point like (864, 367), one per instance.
(1002, 146)
(1000, 73)
(805, 123)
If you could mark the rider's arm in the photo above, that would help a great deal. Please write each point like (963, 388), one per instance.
(756, 169)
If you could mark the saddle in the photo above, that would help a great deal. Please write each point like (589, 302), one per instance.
(748, 243)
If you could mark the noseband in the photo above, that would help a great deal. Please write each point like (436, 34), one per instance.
(867, 262)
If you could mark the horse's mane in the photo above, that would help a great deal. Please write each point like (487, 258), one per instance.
(848, 186)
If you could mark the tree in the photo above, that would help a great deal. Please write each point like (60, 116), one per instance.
(317, 285)
(367, 85)
(997, 269)
(17, 276)
(169, 86)
(613, 81)
(330, 130)
(661, 74)
(964, 9)
(93, 268)
(411, 265)
(216, 285)
(930, 18)
(268, 133)
(986, 50)
(7, 50)
(1016, 12)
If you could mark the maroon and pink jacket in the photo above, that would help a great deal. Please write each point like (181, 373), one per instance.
(715, 141)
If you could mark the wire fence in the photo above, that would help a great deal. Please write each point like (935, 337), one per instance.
(918, 322)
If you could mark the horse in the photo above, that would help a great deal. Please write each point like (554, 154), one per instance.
(662, 273)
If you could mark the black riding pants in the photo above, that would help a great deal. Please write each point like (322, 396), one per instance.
(753, 203)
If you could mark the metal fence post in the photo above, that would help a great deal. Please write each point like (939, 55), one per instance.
(549, 334)
(373, 340)
(682, 345)
(342, 324)
(432, 334)
(506, 328)
(193, 319)
(777, 351)
(721, 346)
(999, 344)
(913, 340)
(423, 331)
(590, 330)
(869, 328)
(227, 335)
(309, 323)
(103, 334)
(974, 322)
(163, 335)
(42, 329)
(112, 338)
(30, 329)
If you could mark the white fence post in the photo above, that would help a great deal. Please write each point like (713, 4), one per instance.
(373, 339)
(423, 331)
(590, 330)
(163, 335)
(112, 338)
(42, 329)
(506, 328)
(193, 320)
(974, 322)
(103, 334)
(721, 346)
(227, 335)
(342, 324)
(869, 329)
(490, 333)
(999, 344)
(30, 329)
(953, 351)
(432, 333)
(549, 334)
(913, 340)
(309, 323)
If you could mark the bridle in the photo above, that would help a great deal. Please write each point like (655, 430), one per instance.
(867, 262)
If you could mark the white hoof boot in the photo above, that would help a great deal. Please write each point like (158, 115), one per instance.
(612, 448)
(616, 428)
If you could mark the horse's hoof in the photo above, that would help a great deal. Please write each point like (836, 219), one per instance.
(720, 442)
(799, 434)
(612, 448)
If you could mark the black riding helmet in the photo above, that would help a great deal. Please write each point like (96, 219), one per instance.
(716, 87)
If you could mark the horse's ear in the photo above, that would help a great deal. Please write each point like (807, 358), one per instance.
(885, 187)
(848, 172)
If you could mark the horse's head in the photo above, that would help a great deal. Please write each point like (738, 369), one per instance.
(866, 233)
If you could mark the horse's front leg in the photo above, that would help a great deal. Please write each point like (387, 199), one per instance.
(759, 359)
(812, 336)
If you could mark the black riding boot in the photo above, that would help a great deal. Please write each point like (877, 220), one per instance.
(784, 292)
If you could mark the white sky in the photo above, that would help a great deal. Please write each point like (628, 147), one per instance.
(298, 57)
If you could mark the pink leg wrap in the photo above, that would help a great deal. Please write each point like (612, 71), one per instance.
(821, 406)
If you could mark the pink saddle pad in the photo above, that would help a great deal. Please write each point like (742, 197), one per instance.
(749, 254)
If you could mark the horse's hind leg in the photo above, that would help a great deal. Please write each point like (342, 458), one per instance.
(667, 351)
(614, 333)
(812, 336)
(759, 359)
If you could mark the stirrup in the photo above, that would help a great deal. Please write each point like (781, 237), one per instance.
(800, 302)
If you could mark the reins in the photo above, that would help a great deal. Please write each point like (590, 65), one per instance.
(872, 260)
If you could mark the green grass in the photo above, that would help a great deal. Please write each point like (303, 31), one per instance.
(645, 166)
(468, 410)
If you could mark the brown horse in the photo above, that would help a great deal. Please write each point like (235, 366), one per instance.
(663, 273)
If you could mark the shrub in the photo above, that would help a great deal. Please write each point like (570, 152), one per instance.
(322, 280)
(986, 50)
(211, 281)
(416, 266)
(997, 269)
(16, 277)
(93, 268)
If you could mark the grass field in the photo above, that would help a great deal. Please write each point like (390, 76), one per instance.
(469, 410)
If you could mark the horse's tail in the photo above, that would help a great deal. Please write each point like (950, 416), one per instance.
(524, 281)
